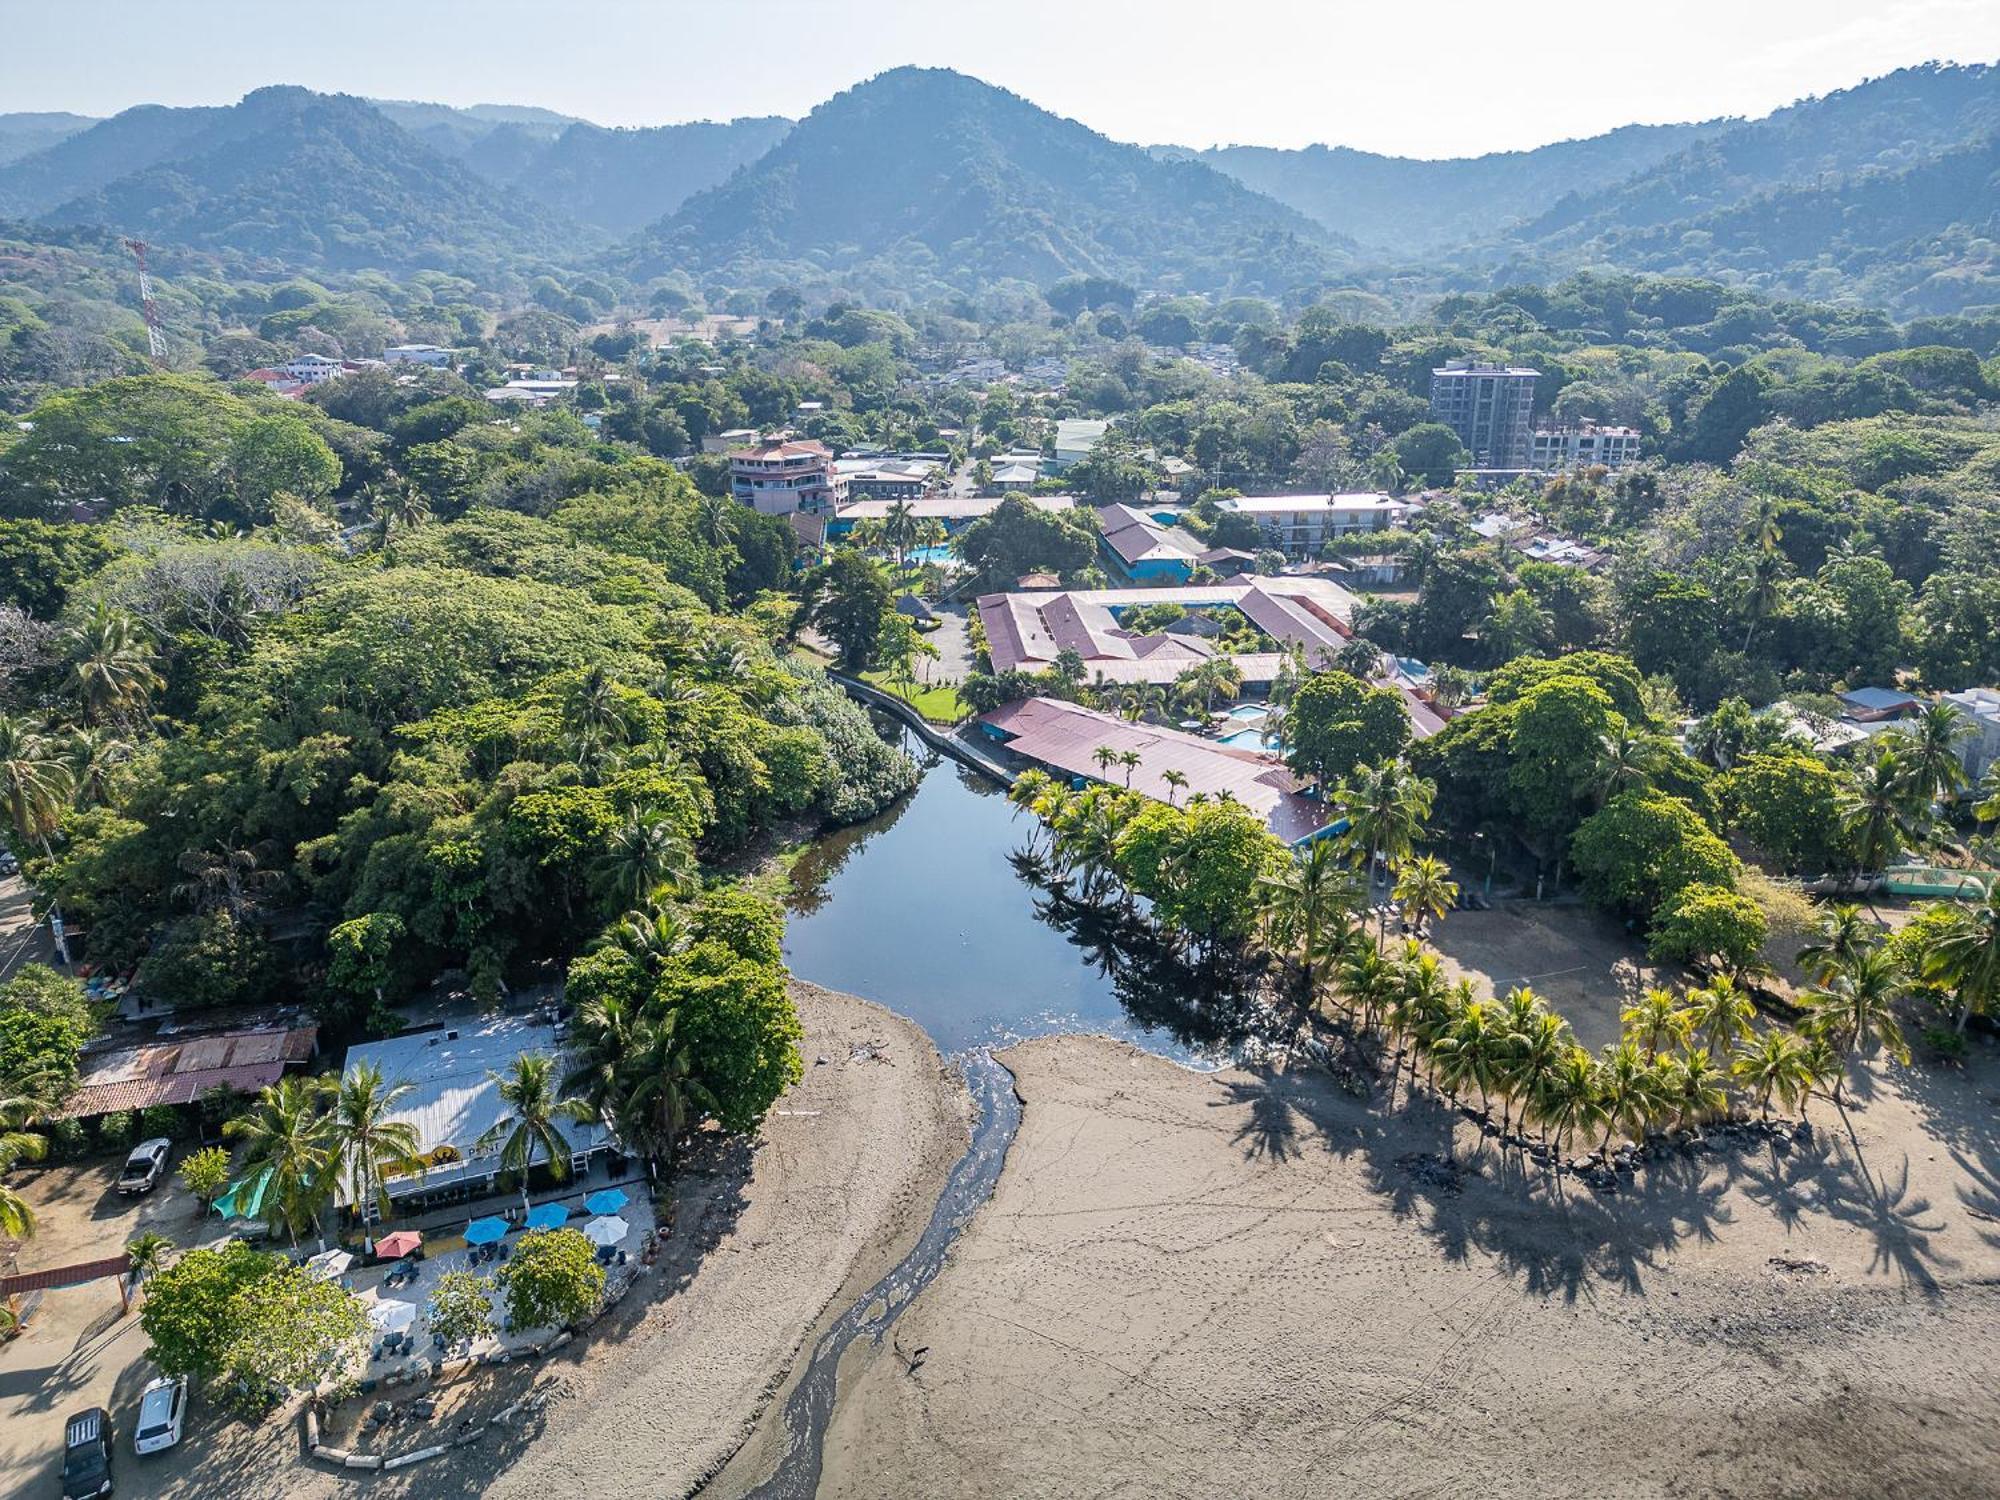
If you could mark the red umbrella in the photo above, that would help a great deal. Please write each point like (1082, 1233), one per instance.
(401, 1243)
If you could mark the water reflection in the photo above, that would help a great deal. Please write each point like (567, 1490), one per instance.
(934, 910)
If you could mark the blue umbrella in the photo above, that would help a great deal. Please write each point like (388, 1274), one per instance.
(605, 1201)
(547, 1216)
(485, 1231)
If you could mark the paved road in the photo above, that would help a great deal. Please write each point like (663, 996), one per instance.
(22, 938)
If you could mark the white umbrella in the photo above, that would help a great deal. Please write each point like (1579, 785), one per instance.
(328, 1264)
(392, 1315)
(608, 1230)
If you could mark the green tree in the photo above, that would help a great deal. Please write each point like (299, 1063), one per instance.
(846, 598)
(280, 454)
(191, 1308)
(460, 1308)
(1643, 849)
(367, 1145)
(205, 1173)
(1856, 1008)
(551, 1280)
(1966, 957)
(288, 1140)
(1424, 889)
(289, 1331)
(1336, 723)
(1786, 802)
(528, 1128)
(365, 953)
(1878, 809)
(1431, 452)
(1710, 925)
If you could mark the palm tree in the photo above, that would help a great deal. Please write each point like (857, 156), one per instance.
(1386, 807)
(899, 529)
(1308, 907)
(367, 1143)
(1516, 624)
(1129, 759)
(1572, 1098)
(1876, 809)
(1625, 759)
(1540, 1045)
(1657, 1022)
(1858, 1005)
(1473, 1050)
(111, 664)
(1632, 1091)
(402, 507)
(35, 780)
(288, 1137)
(528, 1129)
(1966, 956)
(1696, 1087)
(1842, 933)
(1106, 758)
(1760, 593)
(1424, 889)
(147, 1253)
(644, 856)
(1176, 782)
(17, 1216)
(666, 1092)
(1774, 1066)
(1931, 744)
(1719, 1016)
(94, 756)
(1360, 657)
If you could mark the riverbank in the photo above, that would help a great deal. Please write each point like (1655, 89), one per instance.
(1193, 1285)
(768, 1236)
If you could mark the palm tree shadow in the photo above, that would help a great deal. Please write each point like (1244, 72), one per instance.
(1981, 1199)
(1270, 1129)
(1900, 1222)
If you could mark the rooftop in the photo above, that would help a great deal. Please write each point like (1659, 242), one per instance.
(181, 1071)
(772, 452)
(1079, 432)
(947, 507)
(1137, 537)
(1066, 736)
(1288, 504)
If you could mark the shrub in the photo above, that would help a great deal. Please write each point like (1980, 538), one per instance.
(460, 1309)
(552, 1280)
(114, 1131)
(161, 1120)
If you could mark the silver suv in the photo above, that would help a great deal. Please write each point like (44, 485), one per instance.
(145, 1166)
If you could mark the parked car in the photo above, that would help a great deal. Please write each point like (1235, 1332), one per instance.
(86, 1470)
(145, 1166)
(9, 865)
(162, 1409)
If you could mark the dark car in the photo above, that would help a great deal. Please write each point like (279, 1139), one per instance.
(86, 1470)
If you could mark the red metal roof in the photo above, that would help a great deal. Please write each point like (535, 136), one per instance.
(60, 1276)
(180, 1072)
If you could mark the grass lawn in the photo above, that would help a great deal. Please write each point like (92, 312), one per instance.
(940, 705)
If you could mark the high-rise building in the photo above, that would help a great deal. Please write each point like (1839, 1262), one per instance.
(1558, 450)
(1489, 407)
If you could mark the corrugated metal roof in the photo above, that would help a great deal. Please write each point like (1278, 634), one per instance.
(61, 1276)
(180, 1072)
(1066, 736)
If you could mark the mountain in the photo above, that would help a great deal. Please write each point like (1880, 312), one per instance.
(925, 178)
(1408, 206)
(24, 133)
(456, 131)
(289, 176)
(621, 179)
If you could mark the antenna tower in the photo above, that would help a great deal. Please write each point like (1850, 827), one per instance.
(156, 341)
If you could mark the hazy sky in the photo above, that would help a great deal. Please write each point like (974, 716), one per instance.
(1420, 77)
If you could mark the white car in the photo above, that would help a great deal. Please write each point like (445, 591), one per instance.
(162, 1409)
(145, 1166)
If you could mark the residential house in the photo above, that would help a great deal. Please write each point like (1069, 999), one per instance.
(1877, 705)
(1075, 438)
(777, 478)
(1140, 550)
(1560, 450)
(435, 356)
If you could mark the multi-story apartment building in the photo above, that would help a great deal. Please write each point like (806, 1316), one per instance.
(1489, 407)
(780, 478)
(1299, 525)
(1558, 450)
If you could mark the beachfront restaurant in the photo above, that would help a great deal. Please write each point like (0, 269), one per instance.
(454, 1100)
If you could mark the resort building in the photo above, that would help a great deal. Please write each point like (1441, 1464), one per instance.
(776, 479)
(955, 511)
(454, 1100)
(1299, 525)
(1489, 407)
(1138, 548)
(436, 356)
(1026, 632)
(1981, 746)
(1066, 737)
(886, 479)
(1075, 437)
(1559, 450)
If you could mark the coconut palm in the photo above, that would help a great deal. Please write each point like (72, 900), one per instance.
(1308, 909)
(399, 508)
(1625, 759)
(1719, 1016)
(1772, 1065)
(35, 780)
(528, 1128)
(147, 1252)
(1424, 889)
(666, 1091)
(644, 856)
(1877, 808)
(1966, 956)
(17, 1216)
(111, 664)
(288, 1139)
(94, 757)
(1539, 1048)
(1422, 1003)
(1761, 593)
(899, 529)
(1474, 1050)
(1841, 933)
(1695, 1086)
(1657, 1022)
(1931, 741)
(1632, 1091)
(1857, 1006)
(367, 1143)
(1571, 1101)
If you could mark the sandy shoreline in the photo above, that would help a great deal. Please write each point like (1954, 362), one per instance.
(1253, 1283)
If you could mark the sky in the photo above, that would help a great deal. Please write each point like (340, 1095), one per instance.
(1430, 78)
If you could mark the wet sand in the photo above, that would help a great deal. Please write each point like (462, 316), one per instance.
(1254, 1283)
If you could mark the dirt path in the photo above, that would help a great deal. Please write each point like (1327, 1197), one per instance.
(1253, 1283)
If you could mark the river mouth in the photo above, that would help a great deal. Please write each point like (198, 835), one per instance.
(932, 909)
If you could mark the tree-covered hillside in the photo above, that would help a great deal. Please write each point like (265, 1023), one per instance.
(619, 180)
(938, 180)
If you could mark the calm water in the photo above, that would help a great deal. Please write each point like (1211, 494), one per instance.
(922, 910)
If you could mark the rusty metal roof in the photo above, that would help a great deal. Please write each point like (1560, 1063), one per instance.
(180, 1072)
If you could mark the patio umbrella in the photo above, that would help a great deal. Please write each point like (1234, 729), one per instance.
(392, 1315)
(396, 1246)
(486, 1231)
(605, 1201)
(606, 1231)
(547, 1216)
(329, 1264)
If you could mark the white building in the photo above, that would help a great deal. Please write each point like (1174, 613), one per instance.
(434, 355)
(1075, 437)
(1299, 525)
(314, 369)
(1558, 450)
(1981, 745)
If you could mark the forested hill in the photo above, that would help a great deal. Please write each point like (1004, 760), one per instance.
(298, 178)
(1403, 206)
(619, 180)
(21, 134)
(934, 179)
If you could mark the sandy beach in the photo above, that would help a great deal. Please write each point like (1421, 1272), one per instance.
(1253, 1282)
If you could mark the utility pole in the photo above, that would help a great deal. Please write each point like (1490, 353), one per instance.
(156, 340)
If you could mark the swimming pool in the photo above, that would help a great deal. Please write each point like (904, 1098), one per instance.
(930, 554)
(1250, 712)
(1248, 739)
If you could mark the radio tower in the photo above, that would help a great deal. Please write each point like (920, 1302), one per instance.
(156, 341)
